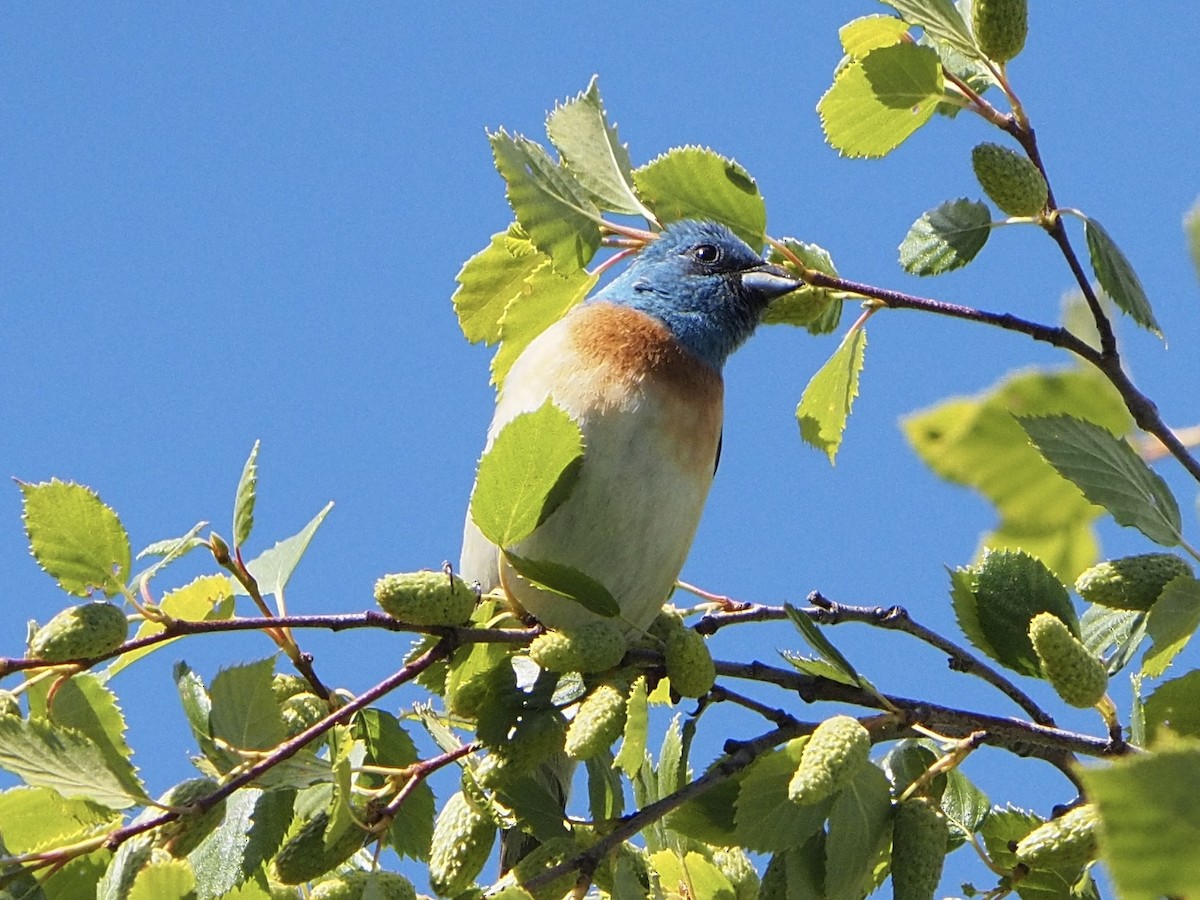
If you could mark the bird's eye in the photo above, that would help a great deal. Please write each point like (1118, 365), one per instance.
(706, 253)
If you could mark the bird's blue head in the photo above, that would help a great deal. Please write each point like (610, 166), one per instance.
(705, 284)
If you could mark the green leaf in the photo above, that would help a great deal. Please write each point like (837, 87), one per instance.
(860, 823)
(389, 745)
(544, 298)
(244, 712)
(1101, 628)
(84, 705)
(196, 705)
(77, 880)
(75, 538)
(866, 33)
(243, 504)
(253, 829)
(1118, 278)
(272, 568)
(941, 20)
(819, 668)
(46, 755)
(995, 602)
(593, 153)
(965, 806)
(1174, 707)
(1149, 821)
(1171, 623)
(946, 237)
(535, 806)
(208, 598)
(166, 880)
(672, 769)
(710, 816)
(567, 582)
(817, 640)
(976, 442)
(703, 880)
(766, 821)
(605, 797)
(491, 279)
(525, 474)
(817, 309)
(1002, 829)
(797, 874)
(1109, 473)
(829, 395)
(878, 101)
(38, 818)
(908, 760)
(554, 210)
(698, 183)
(637, 726)
(118, 878)
(171, 549)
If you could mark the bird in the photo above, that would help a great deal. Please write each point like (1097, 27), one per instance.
(639, 368)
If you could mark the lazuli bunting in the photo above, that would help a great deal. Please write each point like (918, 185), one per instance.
(638, 367)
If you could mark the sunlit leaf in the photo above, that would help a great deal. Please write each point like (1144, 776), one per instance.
(554, 210)
(1171, 623)
(46, 755)
(544, 297)
(594, 155)
(941, 21)
(829, 395)
(274, 567)
(526, 473)
(491, 279)
(697, 183)
(878, 101)
(78, 540)
(975, 441)
(247, 493)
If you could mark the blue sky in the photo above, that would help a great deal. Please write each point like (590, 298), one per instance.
(243, 221)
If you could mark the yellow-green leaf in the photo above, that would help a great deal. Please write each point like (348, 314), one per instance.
(867, 33)
(525, 474)
(78, 540)
(554, 210)
(878, 101)
(976, 442)
(1149, 823)
(544, 297)
(491, 279)
(825, 404)
(698, 183)
(1173, 620)
(593, 153)
(247, 492)
(206, 599)
(167, 880)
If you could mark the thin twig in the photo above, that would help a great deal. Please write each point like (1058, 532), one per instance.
(894, 618)
(342, 622)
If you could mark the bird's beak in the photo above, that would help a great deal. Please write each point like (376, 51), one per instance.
(766, 282)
